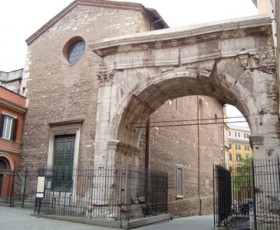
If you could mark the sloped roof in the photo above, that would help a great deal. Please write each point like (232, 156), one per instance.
(151, 13)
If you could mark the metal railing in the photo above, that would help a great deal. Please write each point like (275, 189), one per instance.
(246, 195)
(116, 193)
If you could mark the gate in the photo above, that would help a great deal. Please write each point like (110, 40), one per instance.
(246, 194)
(233, 195)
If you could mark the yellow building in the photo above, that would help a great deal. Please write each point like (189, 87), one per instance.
(238, 145)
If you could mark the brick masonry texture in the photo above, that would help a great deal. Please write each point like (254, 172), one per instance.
(60, 92)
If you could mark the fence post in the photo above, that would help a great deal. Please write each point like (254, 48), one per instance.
(24, 189)
(12, 190)
(214, 198)
(254, 195)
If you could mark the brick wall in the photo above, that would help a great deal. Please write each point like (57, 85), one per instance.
(59, 92)
(179, 146)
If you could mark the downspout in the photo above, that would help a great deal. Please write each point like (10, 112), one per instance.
(147, 152)
(147, 158)
(198, 156)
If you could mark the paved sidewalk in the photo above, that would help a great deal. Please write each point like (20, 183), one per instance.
(21, 219)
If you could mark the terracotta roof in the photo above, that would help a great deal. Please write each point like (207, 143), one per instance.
(151, 13)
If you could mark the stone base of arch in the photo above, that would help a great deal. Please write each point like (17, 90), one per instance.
(112, 181)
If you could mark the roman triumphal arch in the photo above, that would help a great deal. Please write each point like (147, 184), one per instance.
(233, 62)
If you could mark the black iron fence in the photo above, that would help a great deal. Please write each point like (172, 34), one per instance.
(247, 194)
(14, 189)
(117, 193)
(222, 194)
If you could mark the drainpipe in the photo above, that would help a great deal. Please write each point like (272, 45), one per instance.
(198, 155)
(147, 153)
(147, 158)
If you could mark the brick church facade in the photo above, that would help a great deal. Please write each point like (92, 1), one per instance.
(61, 86)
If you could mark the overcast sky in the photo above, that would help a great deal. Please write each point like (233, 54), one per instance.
(21, 18)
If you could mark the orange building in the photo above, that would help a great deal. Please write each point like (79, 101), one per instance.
(12, 113)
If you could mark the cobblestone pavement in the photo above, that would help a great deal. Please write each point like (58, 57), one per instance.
(22, 219)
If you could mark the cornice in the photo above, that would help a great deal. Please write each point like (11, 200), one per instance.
(66, 122)
(173, 37)
(95, 3)
(9, 150)
(12, 106)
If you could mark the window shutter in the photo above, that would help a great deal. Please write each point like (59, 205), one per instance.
(1, 124)
(14, 129)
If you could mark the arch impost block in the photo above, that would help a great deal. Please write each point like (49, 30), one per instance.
(119, 146)
(256, 140)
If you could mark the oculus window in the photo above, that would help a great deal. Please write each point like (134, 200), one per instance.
(74, 50)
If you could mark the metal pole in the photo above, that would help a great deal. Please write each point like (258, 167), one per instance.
(24, 189)
(147, 155)
(198, 155)
(214, 198)
(254, 195)
(147, 162)
(12, 190)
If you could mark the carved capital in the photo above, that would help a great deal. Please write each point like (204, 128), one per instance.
(105, 78)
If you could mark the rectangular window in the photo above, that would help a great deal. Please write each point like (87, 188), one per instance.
(230, 156)
(238, 157)
(238, 146)
(229, 133)
(180, 177)
(8, 127)
(247, 147)
(64, 147)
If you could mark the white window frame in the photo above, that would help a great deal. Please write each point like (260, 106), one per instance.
(13, 117)
(180, 194)
(7, 127)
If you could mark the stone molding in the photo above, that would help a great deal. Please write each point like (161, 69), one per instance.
(175, 37)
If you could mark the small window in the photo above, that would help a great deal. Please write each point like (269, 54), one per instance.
(229, 133)
(238, 157)
(8, 127)
(238, 146)
(180, 177)
(75, 50)
(230, 156)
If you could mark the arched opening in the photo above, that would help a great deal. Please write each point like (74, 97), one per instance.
(187, 117)
(4, 177)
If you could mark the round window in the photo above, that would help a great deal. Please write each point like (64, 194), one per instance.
(75, 51)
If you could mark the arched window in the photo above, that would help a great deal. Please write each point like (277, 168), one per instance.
(3, 166)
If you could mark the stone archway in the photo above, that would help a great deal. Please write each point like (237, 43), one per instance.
(232, 62)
